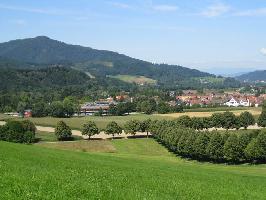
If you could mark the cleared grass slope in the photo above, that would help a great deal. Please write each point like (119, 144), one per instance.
(33, 172)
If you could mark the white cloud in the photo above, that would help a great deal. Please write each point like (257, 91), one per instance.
(35, 10)
(120, 5)
(263, 51)
(216, 10)
(20, 22)
(254, 12)
(166, 8)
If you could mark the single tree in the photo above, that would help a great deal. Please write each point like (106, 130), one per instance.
(145, 126)
(90, 129)
(132, 127)
(229, 120)
(62, 131)
(246, 119)
(200, 145)
(215, 147)
(262, 119)
(232, 149)
(113, 128)
(217, 120)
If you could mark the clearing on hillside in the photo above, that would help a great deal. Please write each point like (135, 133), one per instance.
(141, 80)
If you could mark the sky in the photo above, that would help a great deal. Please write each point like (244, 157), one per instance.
(218, 36)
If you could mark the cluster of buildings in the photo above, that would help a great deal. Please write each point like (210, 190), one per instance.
(235, 99)
(102, 105)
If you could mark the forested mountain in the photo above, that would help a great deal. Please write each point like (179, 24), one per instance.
(255, 76)
(43, 50)
(54, 78)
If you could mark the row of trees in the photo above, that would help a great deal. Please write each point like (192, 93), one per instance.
(63, 132)
(211, 146)
(18, 132)
(226, 120)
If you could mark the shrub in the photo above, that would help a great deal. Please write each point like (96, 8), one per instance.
(29, 137)
(15, 126)
(29, 126)
(62, 131)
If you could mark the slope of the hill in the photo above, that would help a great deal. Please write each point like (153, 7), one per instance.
(259, 75)
(30, 172)
(43, 50)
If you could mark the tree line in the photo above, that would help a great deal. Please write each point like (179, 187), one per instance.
(216, 146)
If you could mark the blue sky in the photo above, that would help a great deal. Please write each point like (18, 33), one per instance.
(212, 35)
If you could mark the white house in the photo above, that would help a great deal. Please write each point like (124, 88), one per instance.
(245, 103)
(232, 102)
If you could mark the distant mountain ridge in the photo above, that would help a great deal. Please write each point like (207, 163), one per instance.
(42, 51)
(256, 76)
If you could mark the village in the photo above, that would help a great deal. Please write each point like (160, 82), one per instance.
(188, 99)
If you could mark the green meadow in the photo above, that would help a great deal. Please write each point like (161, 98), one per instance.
(135, 169)
(77, 122)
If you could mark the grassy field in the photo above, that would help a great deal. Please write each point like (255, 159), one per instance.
(254, 111)
(4, 117)
(140, 146)
(221, 109)
(135, 79)
(77, 122)
(34, 172)
(50, 137)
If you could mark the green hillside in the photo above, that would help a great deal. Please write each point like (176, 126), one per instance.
(135, 79)
(259, 75)
(43, 50)
(33, 172)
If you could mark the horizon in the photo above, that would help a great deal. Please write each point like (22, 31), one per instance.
(220, 37)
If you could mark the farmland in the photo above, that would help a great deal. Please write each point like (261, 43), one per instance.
(77, 122)
(34, 172)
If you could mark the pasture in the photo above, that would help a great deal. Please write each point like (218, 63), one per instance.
(135, 79)
(35, 172)
(77, 122)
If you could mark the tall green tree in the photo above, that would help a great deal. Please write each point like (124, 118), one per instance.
(132, 127)
(215, 147)
(217, 120)
(229, 120)
(90, 129)
(68, 106)
(62, 131)
(113, 128)
(262, 119)
(246, 119)
(57, 109)
(145, 126)
(232, 149)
